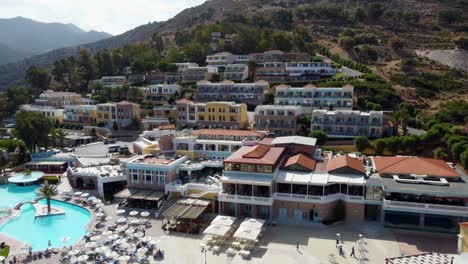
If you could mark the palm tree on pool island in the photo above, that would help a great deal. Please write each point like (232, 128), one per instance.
(47, 191)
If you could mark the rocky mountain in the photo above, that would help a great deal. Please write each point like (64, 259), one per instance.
(8, 55)
(217, 10)
(28, 37)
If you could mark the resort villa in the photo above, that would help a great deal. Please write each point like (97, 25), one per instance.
(280, 120)
(248, 93)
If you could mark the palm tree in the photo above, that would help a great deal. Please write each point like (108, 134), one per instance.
(59, 134)
(47, 191)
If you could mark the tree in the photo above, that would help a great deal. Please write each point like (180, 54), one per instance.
(449, 16)
(458, 148)
(347, 43)
(157, 43)
(464, 159)
(33, 128)
(359, 15)
(361, 143)
(440, 154)
(461, 42)
(115, 126)
(47, 191)
(320, 136)
(375, 11)
(379, 146)
(59, 134)
(397, 44)
(37, 78)
(87, 66)
(282, 19)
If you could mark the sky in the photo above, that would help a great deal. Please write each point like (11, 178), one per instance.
(112, 16)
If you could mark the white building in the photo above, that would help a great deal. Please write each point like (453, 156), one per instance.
(106, 179)
(113, 81)
(48, 111)
(236, 72)
(310, 97)
(348, 123)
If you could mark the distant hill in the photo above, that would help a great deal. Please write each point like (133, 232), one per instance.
(29, 37)
(417, 35)
(8, 55)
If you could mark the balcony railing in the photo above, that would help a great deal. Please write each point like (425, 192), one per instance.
(223, 197)
(440, 209)
(316, 198)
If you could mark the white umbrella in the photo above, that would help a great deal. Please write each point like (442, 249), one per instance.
(82, 258)
(124, 245)
(145, 214)
(65, 239)
(121, 220)
(135, 222)
(99, 214)
(94, 238)
(107, 233)
(133, 213)
(129, 231)
(120, 229)
(154, 242)
(124, 258)
(108, 218)
(90, 244)
(142, 250)
(138, 234)
(113, 237)
(84, 195)
(2, 258)
(74, 252)
(120, 211)
(120, 241)
(101, 249)
(91, 198)
(78, 193)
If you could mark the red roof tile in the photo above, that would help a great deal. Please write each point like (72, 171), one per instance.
(301, 160)
(228, 132)
(345, 161)
(183, 101)
(259, 154)
(413, 165)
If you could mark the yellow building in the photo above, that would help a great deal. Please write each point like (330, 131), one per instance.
(123, 113)
(228, 115)
(48, 111)
(83, 114)
(463, 238)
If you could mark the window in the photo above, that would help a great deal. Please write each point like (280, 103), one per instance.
(162, 180)
(135, 178)
(148, 179)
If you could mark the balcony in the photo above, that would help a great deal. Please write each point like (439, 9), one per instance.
(317, 199)
(439, 209)
(233, 198)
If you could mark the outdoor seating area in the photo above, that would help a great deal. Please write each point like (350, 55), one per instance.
(184, 215)
(138, 198)
(225, 232)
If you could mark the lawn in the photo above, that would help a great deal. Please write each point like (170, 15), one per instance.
(5, 251)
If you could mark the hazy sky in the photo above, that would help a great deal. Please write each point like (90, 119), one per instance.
(112, 16)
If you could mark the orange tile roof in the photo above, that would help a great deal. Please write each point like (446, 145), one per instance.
(166, 127)
(413, 165)
(228, 132)
(259, 154)
(464, 224)
(301, 160)
(345, 161)
(266, 141)
(309, 86)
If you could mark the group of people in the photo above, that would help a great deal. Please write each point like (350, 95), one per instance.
(339, 246)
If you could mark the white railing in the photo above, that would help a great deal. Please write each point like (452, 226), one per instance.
(427, 208)
(223, 197)
(316, 198)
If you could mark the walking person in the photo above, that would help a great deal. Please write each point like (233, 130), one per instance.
(337, 243)
(297, 246)
(340, 249)
(352, 253)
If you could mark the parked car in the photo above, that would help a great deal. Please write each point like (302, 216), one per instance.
(114, 149)
(109, 141)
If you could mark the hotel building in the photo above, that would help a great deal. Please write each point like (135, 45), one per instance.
(293, 71)
(278, 119)
(105, 179)
(61, 99)
(214, 144)
(48, 111)
(236, 72)
(279, 56)
(248, 93)
(81, 114)
(160, 93)
(211, 114)
(310, 97)
(123, 113)
(348, 123)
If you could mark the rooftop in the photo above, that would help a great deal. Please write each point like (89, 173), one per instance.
(158, 160)
(345, 161)
(413, 165)
(259, 154)
(227, 132)
(105, 170)
(302, 160)
(294, 140)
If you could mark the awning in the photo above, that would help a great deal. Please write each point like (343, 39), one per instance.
(140, 195)
(346, 179)
(265, 181)
(187, 209)
(125, 193)
(302, 178)
(155, 196)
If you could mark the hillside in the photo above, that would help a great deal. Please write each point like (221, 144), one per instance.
(27, 37)
(415, 22)
(8, 55)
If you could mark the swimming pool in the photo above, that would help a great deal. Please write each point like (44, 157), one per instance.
(38, 232)
(12, 194)
(26, 178)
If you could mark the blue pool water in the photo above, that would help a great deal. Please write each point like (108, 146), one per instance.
(38, 232)
(11, 194)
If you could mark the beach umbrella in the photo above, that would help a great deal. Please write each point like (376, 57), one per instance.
(90, 244)
(82, 258)
(94, 238)
(107, 233)
(84, 195)
(135, 222)
(2, 258)
(138, 234)
(133, 213)
(101, 249)
(154, 242)
(145, 214)
(124, 258)
(129, 231)
(91, 198)
(120, 211)
(120, 229)
(113, 237)
(65, 239)
(124, 245)
(99, 214)
(120, 241)
(74, 252)
(78, 193)
(108, 218)
(121, 220)
(142, 250)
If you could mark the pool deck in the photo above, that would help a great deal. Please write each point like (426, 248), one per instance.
(316, 244)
